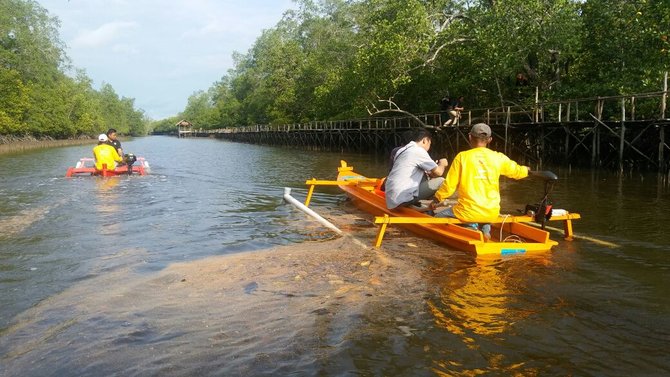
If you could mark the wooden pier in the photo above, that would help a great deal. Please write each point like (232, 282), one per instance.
(617, 132)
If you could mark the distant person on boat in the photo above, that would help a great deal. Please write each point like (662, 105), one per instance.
(474, 175)
(113, 141)
(105, 154)
(414, 175)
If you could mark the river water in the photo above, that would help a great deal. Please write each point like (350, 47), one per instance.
(201, 269)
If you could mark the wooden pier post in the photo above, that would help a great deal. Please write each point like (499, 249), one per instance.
(567, 143)
(594, 147)
(661, 132)
(661, 147)
(595, 143)
(665, 95)
(507, 121)
(540, 153)
(623, 133)
(567, 115)
(537, 106)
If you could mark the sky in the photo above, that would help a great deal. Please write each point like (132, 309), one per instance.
(159, 52)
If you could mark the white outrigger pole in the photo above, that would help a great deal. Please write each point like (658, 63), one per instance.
(307, 210)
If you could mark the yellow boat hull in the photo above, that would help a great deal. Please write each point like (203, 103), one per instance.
(518, 235)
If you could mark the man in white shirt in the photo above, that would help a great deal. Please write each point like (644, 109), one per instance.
(414, 175)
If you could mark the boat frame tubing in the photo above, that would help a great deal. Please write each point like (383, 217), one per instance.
(309, 211)
(386, 220)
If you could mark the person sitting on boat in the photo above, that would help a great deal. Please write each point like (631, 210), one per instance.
(105, 154)
(414, 175)
(113, 141)
(475, 175)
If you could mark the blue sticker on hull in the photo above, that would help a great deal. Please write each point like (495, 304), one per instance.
(512, 251)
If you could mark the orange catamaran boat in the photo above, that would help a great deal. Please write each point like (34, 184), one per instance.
(511, 235)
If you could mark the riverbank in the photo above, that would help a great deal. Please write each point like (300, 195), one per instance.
(14, 144)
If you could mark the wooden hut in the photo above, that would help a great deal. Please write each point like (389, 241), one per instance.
(184, 128)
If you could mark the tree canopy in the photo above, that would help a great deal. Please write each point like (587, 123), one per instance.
(336, 59)
(40, 93)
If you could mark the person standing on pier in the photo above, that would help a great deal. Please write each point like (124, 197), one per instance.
(475, 175)
(414, 175)
(454, 109)
(445, 107)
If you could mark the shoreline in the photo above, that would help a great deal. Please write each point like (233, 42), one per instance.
(14, 145)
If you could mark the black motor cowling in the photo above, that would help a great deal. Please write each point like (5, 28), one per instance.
(129, 159)
(540, 212)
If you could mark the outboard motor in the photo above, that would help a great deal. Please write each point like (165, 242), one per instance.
(541, 212)
(129, 159)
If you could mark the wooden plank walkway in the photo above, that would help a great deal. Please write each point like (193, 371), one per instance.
(618, 132)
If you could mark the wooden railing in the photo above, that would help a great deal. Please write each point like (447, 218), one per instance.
(644, 106)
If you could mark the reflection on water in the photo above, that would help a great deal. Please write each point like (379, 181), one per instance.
(162, 275)
(476, 299)
(482, 302)
(108, 204)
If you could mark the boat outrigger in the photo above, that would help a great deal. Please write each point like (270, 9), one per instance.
(510, 235)
(86, 167)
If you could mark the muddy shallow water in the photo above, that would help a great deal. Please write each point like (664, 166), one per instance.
(207, 272)
(288, 310)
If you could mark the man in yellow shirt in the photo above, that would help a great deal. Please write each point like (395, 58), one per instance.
(105, 154)
(474, 175)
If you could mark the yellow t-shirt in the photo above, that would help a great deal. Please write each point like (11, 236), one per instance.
(475, 175)
(106, 154)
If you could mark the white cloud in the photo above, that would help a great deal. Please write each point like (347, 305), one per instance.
(161, 51)
(125, 49)
(103, 35)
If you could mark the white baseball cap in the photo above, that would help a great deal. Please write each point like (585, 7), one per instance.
(102, 137)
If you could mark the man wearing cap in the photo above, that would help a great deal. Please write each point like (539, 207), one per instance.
(105, 154)
(474, 175)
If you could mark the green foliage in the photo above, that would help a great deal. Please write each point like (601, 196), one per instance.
(37, 96)
(534, 38)
(200, 111)
(13, 101)
(335, 59)
(165, 125)
(29, 40)
(625, 48)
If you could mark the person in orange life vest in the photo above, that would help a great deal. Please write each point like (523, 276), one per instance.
(105, 154)
(475, 175)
